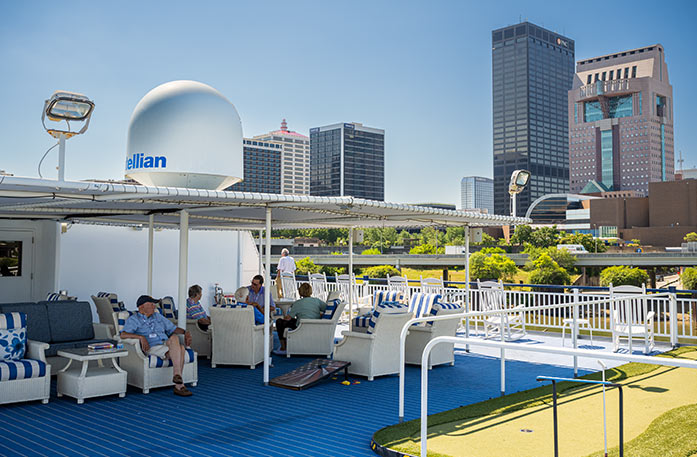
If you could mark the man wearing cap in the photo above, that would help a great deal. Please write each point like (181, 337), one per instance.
(157, 337)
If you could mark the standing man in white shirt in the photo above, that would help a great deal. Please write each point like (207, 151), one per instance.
(286, 263)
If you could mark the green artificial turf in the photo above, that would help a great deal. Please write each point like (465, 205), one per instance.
(672, 434)
(402, 436)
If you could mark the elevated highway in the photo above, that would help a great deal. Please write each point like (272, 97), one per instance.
(649, 259)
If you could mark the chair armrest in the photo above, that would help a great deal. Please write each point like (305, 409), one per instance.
(416, 329)
(365, 300)
(359, 335)
(135, 343)
(102, 331)
(36, 350)
(649, 317)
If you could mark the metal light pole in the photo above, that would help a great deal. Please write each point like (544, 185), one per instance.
(519, 179)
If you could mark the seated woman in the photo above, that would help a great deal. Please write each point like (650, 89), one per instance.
(194, 310)
(307, 307)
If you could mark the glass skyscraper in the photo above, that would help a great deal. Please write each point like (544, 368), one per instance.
(347, 159)
(477, 192)
(532, 72)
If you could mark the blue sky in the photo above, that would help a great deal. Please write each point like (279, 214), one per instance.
(420, 70)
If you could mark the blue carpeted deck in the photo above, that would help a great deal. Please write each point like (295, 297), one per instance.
(232, 413)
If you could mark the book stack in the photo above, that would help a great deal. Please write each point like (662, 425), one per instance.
(100, 346)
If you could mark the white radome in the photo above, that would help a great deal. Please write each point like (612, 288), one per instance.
(185, 134)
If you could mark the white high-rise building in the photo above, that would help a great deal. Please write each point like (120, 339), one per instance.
(477, 193)
(295, 159)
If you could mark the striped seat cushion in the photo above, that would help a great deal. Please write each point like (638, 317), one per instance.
(331, 307)
(167, 308)
(156, 362)
(440, 309)
(362, 321)
(229, 305)
(116, 305)
(386, 295)
(420, 304)
(11, 370)
(385, 307)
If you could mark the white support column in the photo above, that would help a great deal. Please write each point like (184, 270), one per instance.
(574, 331)
(267, 297)
(467, 284)
(350, 273)
(261, 251)
(151, 239)
(183, 266)
(61, 157)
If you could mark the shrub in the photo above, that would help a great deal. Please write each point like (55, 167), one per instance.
(562, 257)
(371, 251)
(623, 275)
(426, 249)
(492, 266)
(305, 266)
(490, 250)
(381, 271)
(547, 271)
(584, 239)
(332, 271)
(689, 278)
(690, 237)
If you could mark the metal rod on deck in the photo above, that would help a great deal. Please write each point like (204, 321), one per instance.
(183, 266)
(467, 283)
(151, 239)
(267, 297)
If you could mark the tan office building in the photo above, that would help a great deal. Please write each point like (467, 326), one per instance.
(295, 159)
(621, 122)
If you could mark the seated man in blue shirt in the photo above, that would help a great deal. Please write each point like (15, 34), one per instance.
(158, 337)
(256, 299)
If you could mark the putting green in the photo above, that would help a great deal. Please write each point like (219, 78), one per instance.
(529, 432)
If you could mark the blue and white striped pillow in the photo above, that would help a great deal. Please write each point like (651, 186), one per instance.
(331, 308)
(386, 295)
(444, 308)
(54, 296)
(420, 303)
(385, 308)
(116, 305)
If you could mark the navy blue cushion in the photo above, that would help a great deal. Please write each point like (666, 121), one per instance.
(37, 319)
(70, 321)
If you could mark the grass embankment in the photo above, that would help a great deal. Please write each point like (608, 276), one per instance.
(404, 437)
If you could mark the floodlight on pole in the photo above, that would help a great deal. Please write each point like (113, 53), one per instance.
(66, 106)
(519, 179)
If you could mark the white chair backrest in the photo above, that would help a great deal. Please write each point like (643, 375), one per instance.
(333, 295)
(399, 284)
(290, 286)
(432, 286)
(343, 282)
(632, 309)
(491, 295)
(318, 281)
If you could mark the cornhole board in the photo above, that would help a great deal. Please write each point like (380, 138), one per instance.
(310, 374)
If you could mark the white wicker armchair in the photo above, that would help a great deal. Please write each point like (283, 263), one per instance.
(148, 372)
(375, 353)
(418, 337)
(200, 339)
(236, 339)
(314, 336)
(29, 378)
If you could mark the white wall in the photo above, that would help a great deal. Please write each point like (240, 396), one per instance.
(43, 257)
(114, 259)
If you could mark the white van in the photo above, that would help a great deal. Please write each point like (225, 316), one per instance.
(573, 248)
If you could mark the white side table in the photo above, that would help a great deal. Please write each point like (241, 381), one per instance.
(79, 383)
(569, 322)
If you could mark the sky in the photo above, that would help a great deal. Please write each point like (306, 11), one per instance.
(419, 70)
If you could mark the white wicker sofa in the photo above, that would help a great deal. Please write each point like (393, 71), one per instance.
(148, 372)
(315, 336)
(419, 336)
(376, 352)
(27, 378)
(236, 339)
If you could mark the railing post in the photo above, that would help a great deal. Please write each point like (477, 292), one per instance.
(574, 331)
(673, 311)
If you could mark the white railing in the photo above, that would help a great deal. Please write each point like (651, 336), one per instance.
(676, 318)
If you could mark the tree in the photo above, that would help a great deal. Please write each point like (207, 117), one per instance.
(547, 271)
(487, 240)
(562, 257)
(621, 275)
(544, 237)
(689, 278)
(426, 249)
(521, 235)
(371, 251)
(380, 237)
(491, 266)
(305, 266)
(455, 236)
(690, 237)
(584, 239)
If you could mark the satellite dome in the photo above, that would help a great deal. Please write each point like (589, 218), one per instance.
(185, 134)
